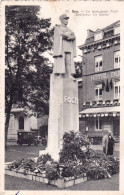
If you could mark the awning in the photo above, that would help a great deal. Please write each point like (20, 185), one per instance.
(101, 111)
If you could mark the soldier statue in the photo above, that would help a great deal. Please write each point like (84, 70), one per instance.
(64, 49)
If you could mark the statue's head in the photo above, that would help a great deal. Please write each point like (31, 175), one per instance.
(64, 19)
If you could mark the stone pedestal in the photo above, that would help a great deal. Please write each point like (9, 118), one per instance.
(63, 112)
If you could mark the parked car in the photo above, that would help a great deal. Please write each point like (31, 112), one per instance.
(26, 137)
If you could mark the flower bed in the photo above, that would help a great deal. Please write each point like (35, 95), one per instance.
(60, 182)
(78, 163)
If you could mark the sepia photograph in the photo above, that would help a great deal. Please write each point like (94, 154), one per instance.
(61, 98)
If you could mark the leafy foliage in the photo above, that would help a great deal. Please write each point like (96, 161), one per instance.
(101, 166)
(44, 159)
(78, 69)
(27, 165)
(93, 165)
(52, 172)
(77, 161)
(28, 39)
(72, 144)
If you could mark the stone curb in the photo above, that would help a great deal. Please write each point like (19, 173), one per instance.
(60, 183)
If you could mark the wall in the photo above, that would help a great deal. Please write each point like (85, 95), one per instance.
(89, 86)
(80, 97)
(107, 125)
(33, 122)
(108, 59)
(29, 122)
(89, 68)
(12, 131)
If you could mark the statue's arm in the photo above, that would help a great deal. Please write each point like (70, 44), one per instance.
(71, 37)
(64, 34)
(59, 32)
(68, 35)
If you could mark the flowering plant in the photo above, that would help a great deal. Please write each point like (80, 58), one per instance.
(52, 172)
(73, 161)
(72, 144)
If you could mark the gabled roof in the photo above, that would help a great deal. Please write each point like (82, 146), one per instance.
(90, 38)
(111, 25)
(98, 30)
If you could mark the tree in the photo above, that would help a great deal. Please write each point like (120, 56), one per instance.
(27, 72)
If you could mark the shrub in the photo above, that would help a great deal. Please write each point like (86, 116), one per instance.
(73, 161)
(44, 158)
(77, 161)
(72, 144)
(52, 172)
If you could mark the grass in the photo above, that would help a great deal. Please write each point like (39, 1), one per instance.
(19, 152)
(13, 183)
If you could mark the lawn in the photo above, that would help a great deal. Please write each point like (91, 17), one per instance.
(13, 183)
(19, 152)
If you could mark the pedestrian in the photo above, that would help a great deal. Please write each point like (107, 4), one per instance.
(111, 143)
(105, 143)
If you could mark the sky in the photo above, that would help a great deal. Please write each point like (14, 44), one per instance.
(83, 16)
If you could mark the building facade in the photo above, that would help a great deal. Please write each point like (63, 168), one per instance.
(23, 120)
(101, 82)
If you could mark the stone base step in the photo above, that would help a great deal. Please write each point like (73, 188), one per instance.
(60, 183)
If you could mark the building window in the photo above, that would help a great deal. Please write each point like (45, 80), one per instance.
(98, 124)
(98, 92)
(98, 36)
(108, 33)
(98, 63)
(116, 59)
(116, 30)
(21, 122)
(117, 90)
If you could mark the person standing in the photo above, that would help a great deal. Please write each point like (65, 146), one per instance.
(111, 143)
(105, 143)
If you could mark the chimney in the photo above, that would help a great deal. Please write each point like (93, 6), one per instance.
(89, 33)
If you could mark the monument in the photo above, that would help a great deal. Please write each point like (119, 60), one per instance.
(63, 109)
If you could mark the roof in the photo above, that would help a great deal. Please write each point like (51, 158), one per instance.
(103, 110)
(90, 39)
(108, 27)
(111, 25)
